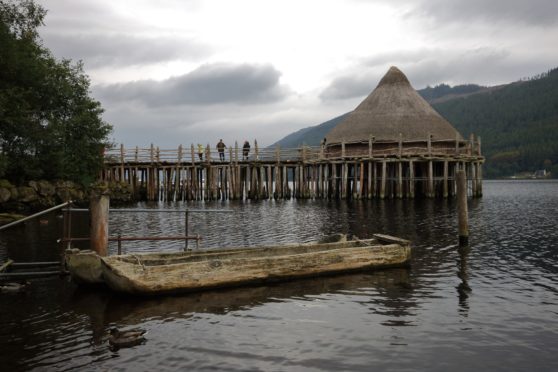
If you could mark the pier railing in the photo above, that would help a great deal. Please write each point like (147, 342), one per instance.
(370, 149)
(68, 239)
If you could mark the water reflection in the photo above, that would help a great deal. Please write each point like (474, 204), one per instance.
(463, 289)
(389, 292)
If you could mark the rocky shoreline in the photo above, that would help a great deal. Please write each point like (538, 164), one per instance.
(39, 195)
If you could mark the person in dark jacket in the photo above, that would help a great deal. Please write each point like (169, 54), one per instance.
(246, 149)
(221, 149)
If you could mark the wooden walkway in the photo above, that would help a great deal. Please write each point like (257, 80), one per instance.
(373, 170)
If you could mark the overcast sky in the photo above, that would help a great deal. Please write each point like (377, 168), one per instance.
(186, 71)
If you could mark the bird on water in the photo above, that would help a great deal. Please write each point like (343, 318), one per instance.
(126, 338)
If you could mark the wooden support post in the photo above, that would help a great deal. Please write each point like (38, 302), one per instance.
(325, 193)
(478, 146)
(462, 212)
(383, 180)
(445, 185)
(344, 176)
(479, 177)
(430, 180)
(247, 181)
(471, 144)
(361, 183)
(456, 143)
(284, 182)
(411, 179)
(399, 187)
(229, 182)
(335, 187)
(240, 173)
(269, 183)
(343, 148)
(257, 151)
(474, 178)
(400, 150)
(370, 181)
(99, 210)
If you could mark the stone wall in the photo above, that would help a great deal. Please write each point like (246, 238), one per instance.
(39, 195)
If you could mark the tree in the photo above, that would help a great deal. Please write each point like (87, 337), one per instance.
(49, 125)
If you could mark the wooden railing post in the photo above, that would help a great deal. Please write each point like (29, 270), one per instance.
(121, 162)
(179, 154)
(236, 151)
(343, 148)
(256, 150)
(278, 154)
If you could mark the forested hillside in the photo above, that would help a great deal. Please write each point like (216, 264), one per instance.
(517, 122)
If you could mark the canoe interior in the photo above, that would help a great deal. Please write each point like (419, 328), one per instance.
(159, 259)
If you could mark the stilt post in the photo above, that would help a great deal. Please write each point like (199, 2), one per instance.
(462, 208)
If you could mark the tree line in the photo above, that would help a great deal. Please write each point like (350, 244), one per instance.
(50, 128)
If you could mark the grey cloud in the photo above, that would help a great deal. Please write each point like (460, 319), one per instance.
(209, 84)
(119, 49)
(346, 87)
(485, 66)
(534, 12)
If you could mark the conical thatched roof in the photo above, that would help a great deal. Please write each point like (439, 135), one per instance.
(394, 107)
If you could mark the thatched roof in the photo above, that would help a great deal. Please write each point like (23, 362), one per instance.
(394, 107)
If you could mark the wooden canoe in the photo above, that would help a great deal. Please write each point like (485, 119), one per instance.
(156, 273)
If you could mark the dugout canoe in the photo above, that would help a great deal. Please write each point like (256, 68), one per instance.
(158, 273)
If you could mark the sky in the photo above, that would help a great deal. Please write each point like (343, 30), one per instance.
(173, 72)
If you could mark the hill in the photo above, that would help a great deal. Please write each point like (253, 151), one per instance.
(309, 136)
(517, 122)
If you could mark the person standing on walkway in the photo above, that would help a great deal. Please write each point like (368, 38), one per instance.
(221, 149)
(246, 149)
(200, 151)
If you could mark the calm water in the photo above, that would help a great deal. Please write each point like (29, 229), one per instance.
(491, 307)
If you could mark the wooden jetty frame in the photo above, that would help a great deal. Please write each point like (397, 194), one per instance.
(360, 170)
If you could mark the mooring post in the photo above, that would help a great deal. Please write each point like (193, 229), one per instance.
(99, 210)
(462, 207)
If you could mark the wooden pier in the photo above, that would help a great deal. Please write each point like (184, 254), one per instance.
(375, 170)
